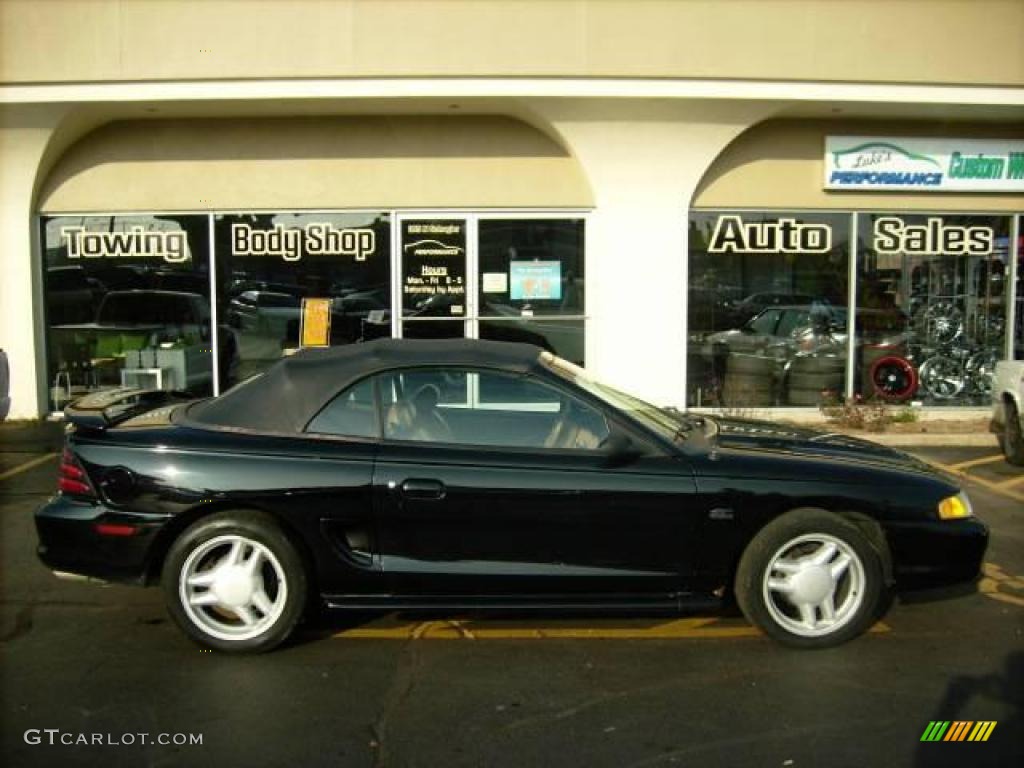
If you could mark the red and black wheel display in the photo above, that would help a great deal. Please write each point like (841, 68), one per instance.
(893, 378)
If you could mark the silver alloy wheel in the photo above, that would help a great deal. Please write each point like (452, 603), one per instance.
(232, 587)
(814, 585)
(981, 371)
(941, 323)
(942, 377)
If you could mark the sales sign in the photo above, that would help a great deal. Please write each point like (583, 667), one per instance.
(924, 165)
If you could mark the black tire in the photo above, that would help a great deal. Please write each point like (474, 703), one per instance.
(818, 381)
(818, 365)
(772, 541)
(746, 381)
(747, 399)
(893, 378)
(750, 364)
(741, 390)
(1012, 441)
(261, 531)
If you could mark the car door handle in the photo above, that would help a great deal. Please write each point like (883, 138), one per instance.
(423, 489)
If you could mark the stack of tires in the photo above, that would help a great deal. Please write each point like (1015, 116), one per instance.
(749, 381)
(872, 353)
(811, 379)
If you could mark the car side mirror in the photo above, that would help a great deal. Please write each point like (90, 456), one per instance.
(620, 449)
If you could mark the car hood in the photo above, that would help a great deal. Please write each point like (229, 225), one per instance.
(811, 443)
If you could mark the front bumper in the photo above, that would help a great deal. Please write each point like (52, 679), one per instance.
(70, 543)
(937, 553)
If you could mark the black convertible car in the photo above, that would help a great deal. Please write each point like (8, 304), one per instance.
(463, 475)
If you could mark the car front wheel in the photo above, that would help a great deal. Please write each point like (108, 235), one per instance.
(810, 579)
(1012, 439)
(234, 581)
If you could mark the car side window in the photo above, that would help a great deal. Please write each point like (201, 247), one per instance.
(487, 408)
(791, 320)
(353, 413)
(765, 322)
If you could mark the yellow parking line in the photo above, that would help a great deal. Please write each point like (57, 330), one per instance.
(26, 466)
(1012, 481)
(688, 628)
(978, 462)
(996, 582)
(990, 588)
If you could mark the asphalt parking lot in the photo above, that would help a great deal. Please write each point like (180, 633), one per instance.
(452, 690)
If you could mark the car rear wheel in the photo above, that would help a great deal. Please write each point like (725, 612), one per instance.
(810, 579)
(234, 581)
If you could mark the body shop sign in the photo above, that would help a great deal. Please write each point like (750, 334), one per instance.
(924, 165)
(292, 243)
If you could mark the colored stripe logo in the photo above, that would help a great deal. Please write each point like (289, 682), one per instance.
(877, 146)
(958, 730)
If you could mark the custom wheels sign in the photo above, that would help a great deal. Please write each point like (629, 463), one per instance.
(924, 165)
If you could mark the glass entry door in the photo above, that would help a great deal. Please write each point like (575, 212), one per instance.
(434, 290)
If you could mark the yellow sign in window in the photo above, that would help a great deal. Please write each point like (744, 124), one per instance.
(316, 323)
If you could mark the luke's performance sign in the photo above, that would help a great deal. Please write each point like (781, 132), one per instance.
(924, 165)
(434, 266)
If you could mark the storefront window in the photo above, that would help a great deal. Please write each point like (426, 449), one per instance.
(531, 283)
(934, 295)
(1018, 294)
(268, 263)
(127, 303)
(558, 336)
(433, 329)
(767, 308)
(128, 298)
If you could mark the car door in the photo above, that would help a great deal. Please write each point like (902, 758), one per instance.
(495, 484)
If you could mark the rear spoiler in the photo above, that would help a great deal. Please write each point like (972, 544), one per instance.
(100, 410)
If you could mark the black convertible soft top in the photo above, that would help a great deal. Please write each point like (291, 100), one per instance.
(291, 392)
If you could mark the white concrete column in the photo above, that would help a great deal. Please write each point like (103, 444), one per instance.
(25, 132)
(644, 161)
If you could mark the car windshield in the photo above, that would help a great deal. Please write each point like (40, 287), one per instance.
(669, 423)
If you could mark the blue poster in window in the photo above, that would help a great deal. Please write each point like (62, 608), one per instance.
(535, 280)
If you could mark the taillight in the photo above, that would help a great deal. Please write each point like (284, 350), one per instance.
(71, 477)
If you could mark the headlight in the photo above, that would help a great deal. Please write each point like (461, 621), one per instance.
(955, 507)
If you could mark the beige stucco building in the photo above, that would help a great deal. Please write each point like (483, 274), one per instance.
(586, 151)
